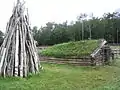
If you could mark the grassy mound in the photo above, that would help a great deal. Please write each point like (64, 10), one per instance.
(71, 49)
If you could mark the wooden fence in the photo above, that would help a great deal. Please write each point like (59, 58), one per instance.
(42, 47)
(78, 61)
(116, 52)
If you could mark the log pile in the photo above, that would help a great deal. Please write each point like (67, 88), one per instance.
(18, 54)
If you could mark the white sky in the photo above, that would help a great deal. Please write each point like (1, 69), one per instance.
(43, 11)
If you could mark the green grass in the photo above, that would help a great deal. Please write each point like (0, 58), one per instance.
(77, 49)
(67, 77)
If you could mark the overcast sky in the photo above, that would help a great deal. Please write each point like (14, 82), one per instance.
(43, 11)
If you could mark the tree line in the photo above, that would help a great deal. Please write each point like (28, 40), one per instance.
(107, 27)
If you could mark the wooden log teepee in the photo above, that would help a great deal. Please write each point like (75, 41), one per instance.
(18, 54)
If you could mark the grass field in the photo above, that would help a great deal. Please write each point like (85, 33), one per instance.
(77, 49)
(67, 77)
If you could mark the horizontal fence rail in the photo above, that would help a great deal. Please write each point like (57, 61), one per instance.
(116, 52)
(85, 61)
